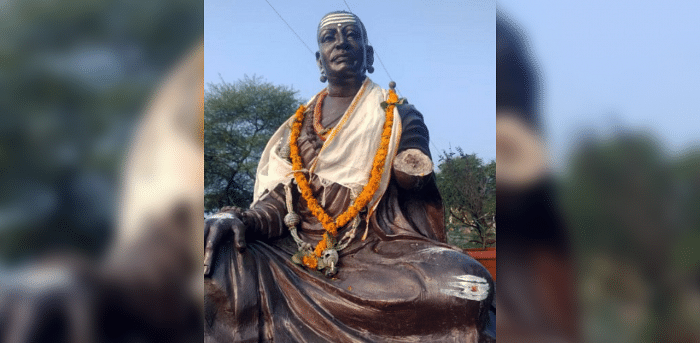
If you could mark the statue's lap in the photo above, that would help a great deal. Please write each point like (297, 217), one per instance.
(399, 287)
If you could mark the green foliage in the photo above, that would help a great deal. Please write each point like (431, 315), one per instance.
(239, 119)
(468, 189)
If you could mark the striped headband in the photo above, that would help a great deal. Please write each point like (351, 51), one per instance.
(338, 18)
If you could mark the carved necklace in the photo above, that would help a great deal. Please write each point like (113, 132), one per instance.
(328, 245)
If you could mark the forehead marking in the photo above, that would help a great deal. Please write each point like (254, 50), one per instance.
(339, 19)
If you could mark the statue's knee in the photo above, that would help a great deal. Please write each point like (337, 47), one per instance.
(473, 267)
(466, 278)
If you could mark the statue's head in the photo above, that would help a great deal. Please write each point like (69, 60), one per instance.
(343, 49)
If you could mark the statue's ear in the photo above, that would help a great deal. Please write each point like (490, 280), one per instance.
(318, 60)
(370, 56)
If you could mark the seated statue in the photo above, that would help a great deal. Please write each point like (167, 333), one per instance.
(345, 238)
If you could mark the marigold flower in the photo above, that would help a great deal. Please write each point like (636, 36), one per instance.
(322, 245)
(310, 261)
(393, 98)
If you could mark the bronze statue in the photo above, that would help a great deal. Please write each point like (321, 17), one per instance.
(345, 239)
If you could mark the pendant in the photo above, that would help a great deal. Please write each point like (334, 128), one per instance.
(327, 263)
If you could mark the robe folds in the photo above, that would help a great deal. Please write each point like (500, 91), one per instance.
(402, 283)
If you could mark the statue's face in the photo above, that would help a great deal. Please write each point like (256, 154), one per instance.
(342, 51)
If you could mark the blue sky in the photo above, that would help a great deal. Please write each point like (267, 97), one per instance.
(440, 53)
(612, 65)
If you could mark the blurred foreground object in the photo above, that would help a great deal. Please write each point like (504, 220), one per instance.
(158, 245)
(536, 289)
(75, 79)
(634, 207)
(147, 288)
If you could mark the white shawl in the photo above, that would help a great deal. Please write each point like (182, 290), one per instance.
(347, 154)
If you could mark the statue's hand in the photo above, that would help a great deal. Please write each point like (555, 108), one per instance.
(216, 228)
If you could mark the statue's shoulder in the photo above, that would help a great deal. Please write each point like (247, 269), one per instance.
(408, 113)
(414, 132)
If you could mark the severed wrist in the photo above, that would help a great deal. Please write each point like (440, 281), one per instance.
(411, 166)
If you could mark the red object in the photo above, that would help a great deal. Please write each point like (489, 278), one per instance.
(487, 257)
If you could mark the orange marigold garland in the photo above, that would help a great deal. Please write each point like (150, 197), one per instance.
(321, 131)
(310, 262)
(329, 224)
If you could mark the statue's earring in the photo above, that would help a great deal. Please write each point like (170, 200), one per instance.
(323, 77)
(370, 69)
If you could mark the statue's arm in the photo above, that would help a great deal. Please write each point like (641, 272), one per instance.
(412, 164)
(263, 221)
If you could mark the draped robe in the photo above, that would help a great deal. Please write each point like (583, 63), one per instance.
(402, 283)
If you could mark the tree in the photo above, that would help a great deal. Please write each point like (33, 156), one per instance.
(468, 189)
(239, 119)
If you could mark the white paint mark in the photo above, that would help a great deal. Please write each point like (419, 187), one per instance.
(221, 215)
(434, 250)
(469, 287)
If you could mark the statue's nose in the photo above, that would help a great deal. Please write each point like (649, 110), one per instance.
(342, 42)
